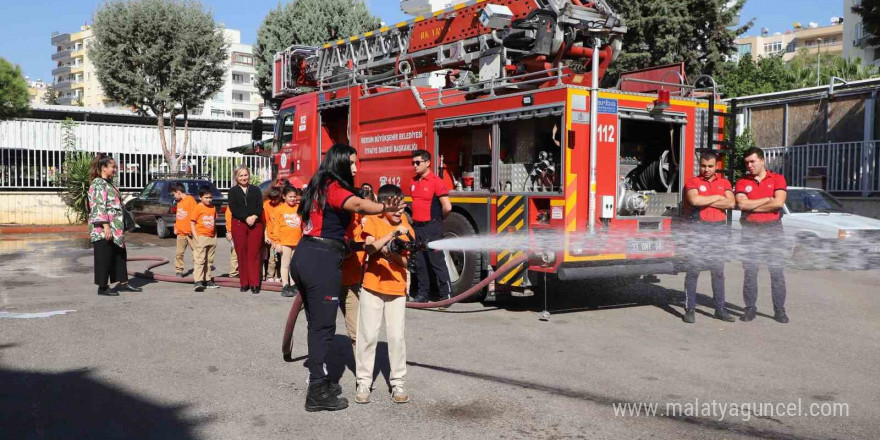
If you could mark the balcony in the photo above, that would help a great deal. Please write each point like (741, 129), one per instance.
(63, 85)
(61, 54)
(63, 70)
(78, 53)
(59, 39)
(77, 85)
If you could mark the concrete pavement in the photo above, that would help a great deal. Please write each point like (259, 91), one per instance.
(172, 363)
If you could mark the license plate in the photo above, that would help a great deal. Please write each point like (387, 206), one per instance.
(643, 246)
(874, 249)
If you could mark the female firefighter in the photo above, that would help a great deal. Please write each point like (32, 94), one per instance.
(326, 209)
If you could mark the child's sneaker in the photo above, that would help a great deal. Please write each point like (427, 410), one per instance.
(287, 292)
(200, 287)
(362, 395)
(212, 285)
(399, 395)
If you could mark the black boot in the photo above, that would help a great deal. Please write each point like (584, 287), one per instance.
(780, 316)
(723, 315)
(748, 314)
(689, 316)
(322, 397)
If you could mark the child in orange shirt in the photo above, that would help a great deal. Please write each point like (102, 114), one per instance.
(202, 220)
(185, 205)
(288, 231)
(272, 200)
(233, 257)
(383, 298)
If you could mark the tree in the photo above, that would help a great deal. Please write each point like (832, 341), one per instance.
(869, 10)
(697, 32)
(306, 22)
(51, 95)
(13, 91)
(748, 77)
(162, 58)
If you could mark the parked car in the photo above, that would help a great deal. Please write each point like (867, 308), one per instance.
(156, 207)
(823, 234)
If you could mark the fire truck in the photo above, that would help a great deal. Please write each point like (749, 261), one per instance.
(505, 96)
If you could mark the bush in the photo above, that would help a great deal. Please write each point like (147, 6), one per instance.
(75, 179)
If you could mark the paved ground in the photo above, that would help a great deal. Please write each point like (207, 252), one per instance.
(169, 363)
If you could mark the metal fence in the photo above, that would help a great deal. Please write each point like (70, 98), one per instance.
(846, 167)
(25, 169)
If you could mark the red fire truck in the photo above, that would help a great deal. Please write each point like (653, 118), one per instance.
(505, 95)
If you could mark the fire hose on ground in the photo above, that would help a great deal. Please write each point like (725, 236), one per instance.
(286, 345)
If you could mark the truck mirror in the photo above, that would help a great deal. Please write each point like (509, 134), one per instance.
(257, 130)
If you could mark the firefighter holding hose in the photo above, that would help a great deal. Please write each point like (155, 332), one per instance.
(708, 196)
(326, 211)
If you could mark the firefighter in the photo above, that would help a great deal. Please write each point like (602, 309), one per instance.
(430, 206)
(708, 196)
(326, 210)
(760, 195)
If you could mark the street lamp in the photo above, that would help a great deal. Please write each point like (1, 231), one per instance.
(818, 62)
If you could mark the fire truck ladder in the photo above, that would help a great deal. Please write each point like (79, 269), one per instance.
(450, 38)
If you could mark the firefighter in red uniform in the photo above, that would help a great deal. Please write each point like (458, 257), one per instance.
(430, 205)
(760, 195)
(316, 267)
(708, 196)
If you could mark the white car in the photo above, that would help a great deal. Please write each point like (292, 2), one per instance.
(823, 234)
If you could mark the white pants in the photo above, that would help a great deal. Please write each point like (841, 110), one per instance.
(374, 307)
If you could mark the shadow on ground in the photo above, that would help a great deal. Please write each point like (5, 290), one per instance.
(75, 404)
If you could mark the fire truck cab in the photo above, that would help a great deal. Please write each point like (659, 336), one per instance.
(518, 129)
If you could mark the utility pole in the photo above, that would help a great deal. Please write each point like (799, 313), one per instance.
(819, 62)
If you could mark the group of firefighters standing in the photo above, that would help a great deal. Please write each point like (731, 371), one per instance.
(760, 196)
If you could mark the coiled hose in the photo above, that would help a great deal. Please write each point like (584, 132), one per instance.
(286, 344)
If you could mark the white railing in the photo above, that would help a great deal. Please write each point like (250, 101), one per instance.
(847, 167)
(41, 170)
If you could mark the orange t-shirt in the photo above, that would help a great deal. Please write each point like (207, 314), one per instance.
(353, 264)
(287, 224)
(205, 217)
(228, 219)
(381, 275)
(184, 209)
(269, 219)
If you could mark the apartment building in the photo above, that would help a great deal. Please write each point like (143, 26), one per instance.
(36, 91)
(239, 97)
(812, 38)
(74, 75)
(854, 44)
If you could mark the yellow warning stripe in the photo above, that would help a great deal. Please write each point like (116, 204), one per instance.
(511, 219)
(507, 208)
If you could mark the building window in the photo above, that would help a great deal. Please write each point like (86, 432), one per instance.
(217, 112)
(242, 59)
(218, 97)
(238, 114)
(239, 97)
(773, 47)
(237, 78)
(744, 49)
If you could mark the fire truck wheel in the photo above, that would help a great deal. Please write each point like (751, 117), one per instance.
(465, 268)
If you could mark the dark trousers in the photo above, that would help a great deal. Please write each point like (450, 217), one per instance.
(716, 267)
(316, 268)
(110, 262)
(248, 242)
(765, 245)
(701, 254)
(431, 272)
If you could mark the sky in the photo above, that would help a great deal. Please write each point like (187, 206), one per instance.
(27, 25)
